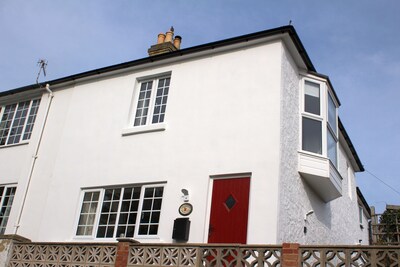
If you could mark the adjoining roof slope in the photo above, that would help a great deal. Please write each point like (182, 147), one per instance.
(350, 145)
(363, 201)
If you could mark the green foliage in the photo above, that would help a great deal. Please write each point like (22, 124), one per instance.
(389, 226)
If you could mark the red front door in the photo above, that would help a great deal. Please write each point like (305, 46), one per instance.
(229, 209)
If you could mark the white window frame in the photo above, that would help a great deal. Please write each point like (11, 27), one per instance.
(95, 224)
(21, 138)
(334, 132)
(140, 210)
(149, 126)
(312, 116)
(102, 190)
(2, 202)
(360, 215)
(325, 92)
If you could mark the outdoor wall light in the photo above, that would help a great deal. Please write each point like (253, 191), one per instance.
(308, 214)
(305, 220)
(185, 196)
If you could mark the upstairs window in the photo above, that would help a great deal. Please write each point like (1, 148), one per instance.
(131, 211)
(152, 101)
(6, 199)
(319, 121)
(17, 121)
(360, 214)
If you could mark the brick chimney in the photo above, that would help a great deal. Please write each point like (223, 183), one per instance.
(165, 43)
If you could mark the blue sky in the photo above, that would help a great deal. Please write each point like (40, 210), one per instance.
(355, 43)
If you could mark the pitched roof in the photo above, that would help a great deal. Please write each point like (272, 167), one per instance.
(187, 51)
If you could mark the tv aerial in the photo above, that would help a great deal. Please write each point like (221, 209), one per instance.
(42, 63)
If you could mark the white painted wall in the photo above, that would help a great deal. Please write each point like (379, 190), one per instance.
(223, 117)
(17, 160)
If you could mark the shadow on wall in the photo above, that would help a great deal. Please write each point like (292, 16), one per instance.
(322, 210)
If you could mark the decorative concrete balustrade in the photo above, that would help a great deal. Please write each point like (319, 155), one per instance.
(18, 252)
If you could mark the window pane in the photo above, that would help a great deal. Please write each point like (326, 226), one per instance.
(143, 229)
(147, 204)
(101, 231)
(153, 229)
(145, 217)
(121, 232)
(312, 136)
(312, 98)
(332, 114)
(332, 148)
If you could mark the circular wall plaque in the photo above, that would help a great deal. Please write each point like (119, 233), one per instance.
(185, 209)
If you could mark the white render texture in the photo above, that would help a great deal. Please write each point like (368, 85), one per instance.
(335, 222)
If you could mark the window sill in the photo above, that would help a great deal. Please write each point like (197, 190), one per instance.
(144, 129)
(17, 144)
(113, 239)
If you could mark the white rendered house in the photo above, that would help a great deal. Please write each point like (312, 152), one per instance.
(244, 132)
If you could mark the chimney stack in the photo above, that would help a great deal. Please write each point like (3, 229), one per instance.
(165, 43)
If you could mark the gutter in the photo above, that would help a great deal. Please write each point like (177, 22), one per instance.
(364, 202)
(350, 144)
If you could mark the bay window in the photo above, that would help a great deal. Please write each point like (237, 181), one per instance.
(319, 120)
(318, 154)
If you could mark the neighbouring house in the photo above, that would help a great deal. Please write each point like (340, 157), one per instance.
(235, 141)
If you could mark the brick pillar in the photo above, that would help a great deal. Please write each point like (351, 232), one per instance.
(123, 251)
(290, 255)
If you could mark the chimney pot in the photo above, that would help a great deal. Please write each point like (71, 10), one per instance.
(177, 42)
(161, 38)
(169, 36)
